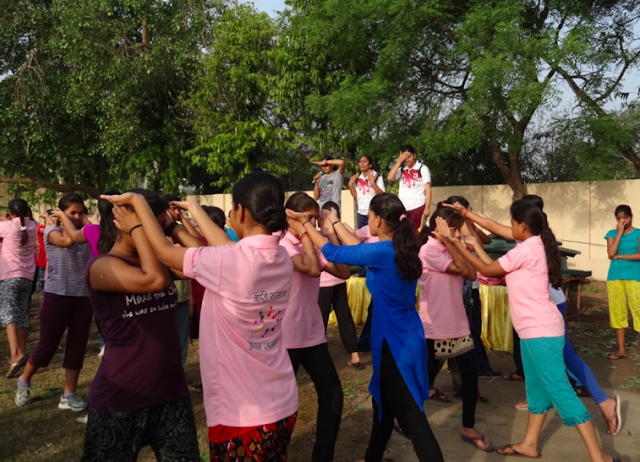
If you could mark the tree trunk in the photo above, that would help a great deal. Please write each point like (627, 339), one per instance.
(511, 171)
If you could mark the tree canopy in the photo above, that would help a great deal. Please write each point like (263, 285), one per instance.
(186, 93)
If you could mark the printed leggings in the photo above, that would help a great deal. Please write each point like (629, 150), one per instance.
(169, 428)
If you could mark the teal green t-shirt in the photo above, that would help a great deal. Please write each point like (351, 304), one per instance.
(625, 269)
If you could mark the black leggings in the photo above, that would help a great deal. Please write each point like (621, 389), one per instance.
(517, 355)
(317, 361)
(337, 296)
(468, 370)
(397, 401)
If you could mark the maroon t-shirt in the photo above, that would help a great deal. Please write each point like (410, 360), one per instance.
(142, 363)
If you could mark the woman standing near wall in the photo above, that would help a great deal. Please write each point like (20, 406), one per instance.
(623, 279)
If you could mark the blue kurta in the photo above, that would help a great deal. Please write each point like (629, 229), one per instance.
(396, 319)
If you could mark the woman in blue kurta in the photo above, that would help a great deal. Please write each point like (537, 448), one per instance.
(399, 384)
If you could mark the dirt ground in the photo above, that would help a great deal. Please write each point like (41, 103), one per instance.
(41, 431)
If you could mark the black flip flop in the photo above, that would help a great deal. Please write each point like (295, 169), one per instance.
(472, 441)
(357, 366)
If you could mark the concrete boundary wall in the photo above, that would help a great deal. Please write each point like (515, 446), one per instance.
(579, 213)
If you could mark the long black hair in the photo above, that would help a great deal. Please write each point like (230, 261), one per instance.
(216, 214)
(449, 215)
(109, 234)
(459, 199)
(20, 208)
(405, 243)
(535, 200)
(262, 195)
(523, 211)
(301, 202)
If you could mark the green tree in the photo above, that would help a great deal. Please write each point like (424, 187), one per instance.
(450, 77)
(91, 91)
(234, 113)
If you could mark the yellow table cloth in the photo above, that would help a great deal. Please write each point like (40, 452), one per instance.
(497, 330)
(359, 299)
(497, 333)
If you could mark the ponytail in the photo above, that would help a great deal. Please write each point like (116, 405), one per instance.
(109, 234)
(526, 212)
(405, 243)
(553, 255)
(20, 208)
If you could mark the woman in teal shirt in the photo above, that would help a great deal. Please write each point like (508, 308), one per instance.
(623, 280)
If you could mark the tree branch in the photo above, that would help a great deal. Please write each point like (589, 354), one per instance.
(627, 64)
(31, 178)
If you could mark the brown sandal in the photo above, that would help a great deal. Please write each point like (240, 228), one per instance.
(15, 367)
(512, 452)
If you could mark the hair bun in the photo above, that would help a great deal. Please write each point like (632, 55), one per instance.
(273, 217)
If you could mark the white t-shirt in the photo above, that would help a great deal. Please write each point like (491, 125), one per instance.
(411, 190)
(365, 192)
(331, 187)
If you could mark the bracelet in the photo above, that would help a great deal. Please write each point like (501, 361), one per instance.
(465, 213)
(134, 227)
(334, 223)
(310, 253)
(303, 235)
(169, 231)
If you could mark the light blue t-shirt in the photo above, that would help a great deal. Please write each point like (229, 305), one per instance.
(625, 269)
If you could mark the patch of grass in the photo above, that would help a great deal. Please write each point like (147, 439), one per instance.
(632, 382)
(594, 290)
(593, 350)
(359, 382)
(359, 409)
(349, 393)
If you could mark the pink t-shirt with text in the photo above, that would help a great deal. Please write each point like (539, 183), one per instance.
(303, 326)
(247, 375)
(441, 307)
(16, 260)
(532, 312)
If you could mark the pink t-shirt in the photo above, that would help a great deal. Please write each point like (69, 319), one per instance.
(441, 307)
(247, 375)
(364, 234)
(92, 235)
(532, 312)
(303, 326)
(16, 260)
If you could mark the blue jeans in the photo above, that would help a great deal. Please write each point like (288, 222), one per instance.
(578, 368)
(362, 221)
